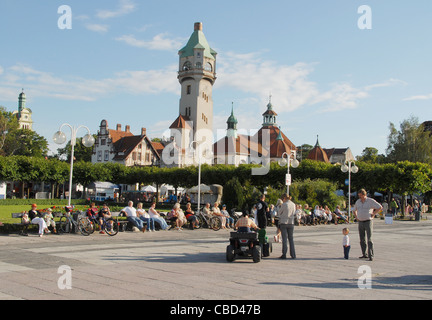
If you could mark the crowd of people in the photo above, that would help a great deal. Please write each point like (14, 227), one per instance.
(284, 215)
(304, 214)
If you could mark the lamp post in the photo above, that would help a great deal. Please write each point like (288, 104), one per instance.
(289, 162)
(60, 138)
(350, 168)
(198, 150)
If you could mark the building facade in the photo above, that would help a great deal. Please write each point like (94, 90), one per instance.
(196, 75)
(24, 114)
(269, 144)
(122, 146)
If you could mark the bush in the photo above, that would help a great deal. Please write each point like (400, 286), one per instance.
(316, 192)
(41, 202)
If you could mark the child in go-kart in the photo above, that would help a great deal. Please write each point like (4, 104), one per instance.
(244, 224)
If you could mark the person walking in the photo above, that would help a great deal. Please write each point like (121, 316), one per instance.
(365, 210)
(286, 226)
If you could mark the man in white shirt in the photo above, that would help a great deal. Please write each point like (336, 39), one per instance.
(286, 226)
(131, 216)
(365, 210)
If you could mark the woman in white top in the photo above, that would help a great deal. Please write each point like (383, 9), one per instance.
(217, 212)
(145, 217)
(177, 215)
(156, 217)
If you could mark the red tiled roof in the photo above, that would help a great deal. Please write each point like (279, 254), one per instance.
(181, 123)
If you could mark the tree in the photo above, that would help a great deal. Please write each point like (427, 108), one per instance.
(8, 123)
(410, 143)
(19, 142)
(371, 155)
(81, 152)
(303, 151)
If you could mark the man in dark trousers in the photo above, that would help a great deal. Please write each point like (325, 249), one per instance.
(286, 226)
(262, 209)
(365, 210)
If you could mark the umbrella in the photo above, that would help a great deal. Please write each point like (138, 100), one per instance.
(148, 189)
(204, 189)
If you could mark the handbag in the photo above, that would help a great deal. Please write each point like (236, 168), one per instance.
(25, 219)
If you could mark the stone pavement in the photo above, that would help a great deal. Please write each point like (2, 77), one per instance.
(191, 265)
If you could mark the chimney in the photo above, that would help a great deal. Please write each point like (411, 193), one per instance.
(127, 128)
(118, 127)
(198, 26)
(143, 131)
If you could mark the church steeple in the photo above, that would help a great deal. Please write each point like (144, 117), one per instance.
(23, 114)
(232, 124)
(21, 102)
(269, 117)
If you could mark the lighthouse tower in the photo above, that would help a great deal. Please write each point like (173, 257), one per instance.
(197, 75)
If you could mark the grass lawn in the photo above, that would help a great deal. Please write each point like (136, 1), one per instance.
(6, 211)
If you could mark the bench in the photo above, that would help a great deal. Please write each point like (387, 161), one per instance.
(124, 224)
(24, 226)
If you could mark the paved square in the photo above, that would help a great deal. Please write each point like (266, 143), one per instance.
(191, 265)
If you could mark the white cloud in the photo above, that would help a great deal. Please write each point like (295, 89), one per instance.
(342, 96)
(125, 7)
(290, 85)
(419, 97)
(389, 83)
(159, 42)
(46, 84)
(101, 28)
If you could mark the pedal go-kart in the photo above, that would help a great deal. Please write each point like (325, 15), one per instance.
(248, 245)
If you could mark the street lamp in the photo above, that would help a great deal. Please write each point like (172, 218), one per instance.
(287, 161)
(60, 138)
(198, 150)
(350, 168)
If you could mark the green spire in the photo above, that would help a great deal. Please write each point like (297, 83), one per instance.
(197, 41)
(21, 101)
(279, 137)
(232, 120)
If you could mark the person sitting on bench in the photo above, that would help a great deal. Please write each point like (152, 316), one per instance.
(244, 224)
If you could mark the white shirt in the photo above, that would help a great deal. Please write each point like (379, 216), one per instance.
(153, 213)
(366, 208)
(346, 240)
(143, 213)
(130, 211)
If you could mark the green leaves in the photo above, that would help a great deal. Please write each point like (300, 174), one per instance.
(399, 177)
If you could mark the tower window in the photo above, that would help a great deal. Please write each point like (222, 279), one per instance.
(187, 66)
(188, 89)
(208, 67)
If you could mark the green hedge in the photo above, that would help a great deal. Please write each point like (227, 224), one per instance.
(41, 202)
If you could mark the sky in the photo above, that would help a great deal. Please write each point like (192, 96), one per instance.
(334, 68)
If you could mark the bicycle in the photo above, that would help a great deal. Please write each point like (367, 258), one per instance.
(212, 222)
(68, 223)
(109, 225)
